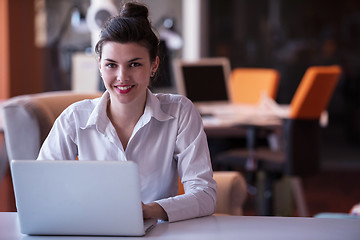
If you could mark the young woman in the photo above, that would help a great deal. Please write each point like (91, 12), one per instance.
(162, 133)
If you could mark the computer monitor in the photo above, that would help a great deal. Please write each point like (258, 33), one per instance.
(204, 79)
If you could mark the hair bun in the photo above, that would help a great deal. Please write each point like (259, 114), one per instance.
(134, 10)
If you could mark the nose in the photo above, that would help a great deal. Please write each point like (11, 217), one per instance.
(121, 74)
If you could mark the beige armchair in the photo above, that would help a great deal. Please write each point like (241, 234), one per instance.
(29, 118)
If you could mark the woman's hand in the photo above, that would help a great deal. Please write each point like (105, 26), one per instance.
(154, 210)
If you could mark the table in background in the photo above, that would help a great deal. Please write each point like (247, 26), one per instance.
(221, 227)
(225, 121)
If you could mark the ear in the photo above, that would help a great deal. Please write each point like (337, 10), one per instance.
(99, 62)
(155, 64)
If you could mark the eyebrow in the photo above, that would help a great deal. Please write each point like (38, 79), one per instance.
(131, 60)
(135, 59)
(109, 60)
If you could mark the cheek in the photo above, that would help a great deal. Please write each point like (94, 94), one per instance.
(108, 73)
(146, 79)
(106, 78)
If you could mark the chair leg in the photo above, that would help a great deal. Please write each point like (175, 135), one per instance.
(288, 191)
(299, 197)
(276, 197)
(283, 197)
(264, 199)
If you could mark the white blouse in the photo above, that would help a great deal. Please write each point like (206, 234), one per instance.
(168, 141)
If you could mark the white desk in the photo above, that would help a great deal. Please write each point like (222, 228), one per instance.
(221, 228)
(225, 114)
(224, 119)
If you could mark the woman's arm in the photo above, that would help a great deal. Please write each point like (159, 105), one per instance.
(154, 210)
(194, 169)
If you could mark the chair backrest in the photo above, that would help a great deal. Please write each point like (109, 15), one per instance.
(247, 85)
(231, 192)
(314, 92)
(29, 118)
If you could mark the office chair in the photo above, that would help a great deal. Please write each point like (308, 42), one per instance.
(29, 118)
(247, 85)
(298, 152)
(251, 86)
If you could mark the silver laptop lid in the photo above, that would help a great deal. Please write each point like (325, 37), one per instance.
(78, 197)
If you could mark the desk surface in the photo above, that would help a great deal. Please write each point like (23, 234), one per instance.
(230, 119)
(230, 114)
(222, 227)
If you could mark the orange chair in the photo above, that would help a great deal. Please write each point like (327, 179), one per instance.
(314, 92)
(299, 153)
(301, 128)
(247, 85)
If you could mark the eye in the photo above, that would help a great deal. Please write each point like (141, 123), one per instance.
(110, 65)
(135, 64)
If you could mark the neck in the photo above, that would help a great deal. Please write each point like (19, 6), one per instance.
(124, 118)
(125, 115)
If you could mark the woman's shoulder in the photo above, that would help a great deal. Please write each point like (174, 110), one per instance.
(175, 104)
(84, 105)
(83, 108)
(171, 98)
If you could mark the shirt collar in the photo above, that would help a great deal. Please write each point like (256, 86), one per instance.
(99, 118)
(153, 108)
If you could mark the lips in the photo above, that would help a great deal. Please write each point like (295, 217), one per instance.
(123, 89)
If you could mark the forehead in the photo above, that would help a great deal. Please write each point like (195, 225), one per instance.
(116, 50)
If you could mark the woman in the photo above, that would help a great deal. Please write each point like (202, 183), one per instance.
(162, 133)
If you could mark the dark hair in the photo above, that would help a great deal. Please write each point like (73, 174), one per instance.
(132, 25)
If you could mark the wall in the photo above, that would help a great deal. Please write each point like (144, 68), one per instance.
(4, 56)
(21, 68)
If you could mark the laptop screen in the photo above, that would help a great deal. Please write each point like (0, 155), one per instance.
(204, 79)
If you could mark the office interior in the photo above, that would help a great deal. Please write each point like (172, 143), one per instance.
(46, 44)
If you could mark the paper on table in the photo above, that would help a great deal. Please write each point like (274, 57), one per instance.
(269, 104)
(283, 111)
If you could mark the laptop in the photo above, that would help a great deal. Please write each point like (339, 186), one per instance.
(79, 198)
(203, 80)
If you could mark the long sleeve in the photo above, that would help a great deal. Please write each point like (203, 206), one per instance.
(194, 168)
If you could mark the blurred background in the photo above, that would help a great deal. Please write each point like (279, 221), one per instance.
(47, 45)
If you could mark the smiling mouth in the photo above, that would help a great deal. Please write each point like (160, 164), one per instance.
(125, 89)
